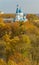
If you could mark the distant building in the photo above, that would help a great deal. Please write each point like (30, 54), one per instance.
(1, 12)
(20, 16)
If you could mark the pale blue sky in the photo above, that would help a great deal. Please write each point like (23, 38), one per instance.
(28, 6)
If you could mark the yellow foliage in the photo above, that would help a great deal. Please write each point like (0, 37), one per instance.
(2, 62)
(16, 39)
(26, 39)
(10, 62)
(6, 38)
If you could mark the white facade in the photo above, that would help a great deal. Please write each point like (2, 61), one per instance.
(19, 16)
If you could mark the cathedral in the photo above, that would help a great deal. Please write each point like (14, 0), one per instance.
(20, 16)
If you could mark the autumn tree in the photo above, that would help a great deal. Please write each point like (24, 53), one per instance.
(34, 52)
(32, 17)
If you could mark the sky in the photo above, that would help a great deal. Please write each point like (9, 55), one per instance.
(28, 6)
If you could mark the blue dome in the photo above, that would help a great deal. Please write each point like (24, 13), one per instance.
(20, 11)
(17, 10)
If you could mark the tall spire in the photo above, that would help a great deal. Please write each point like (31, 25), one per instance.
(17, 10)
(17, 5)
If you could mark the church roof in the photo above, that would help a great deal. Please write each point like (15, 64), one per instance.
(18, 10)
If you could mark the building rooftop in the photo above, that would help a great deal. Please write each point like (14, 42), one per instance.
(18, 10)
